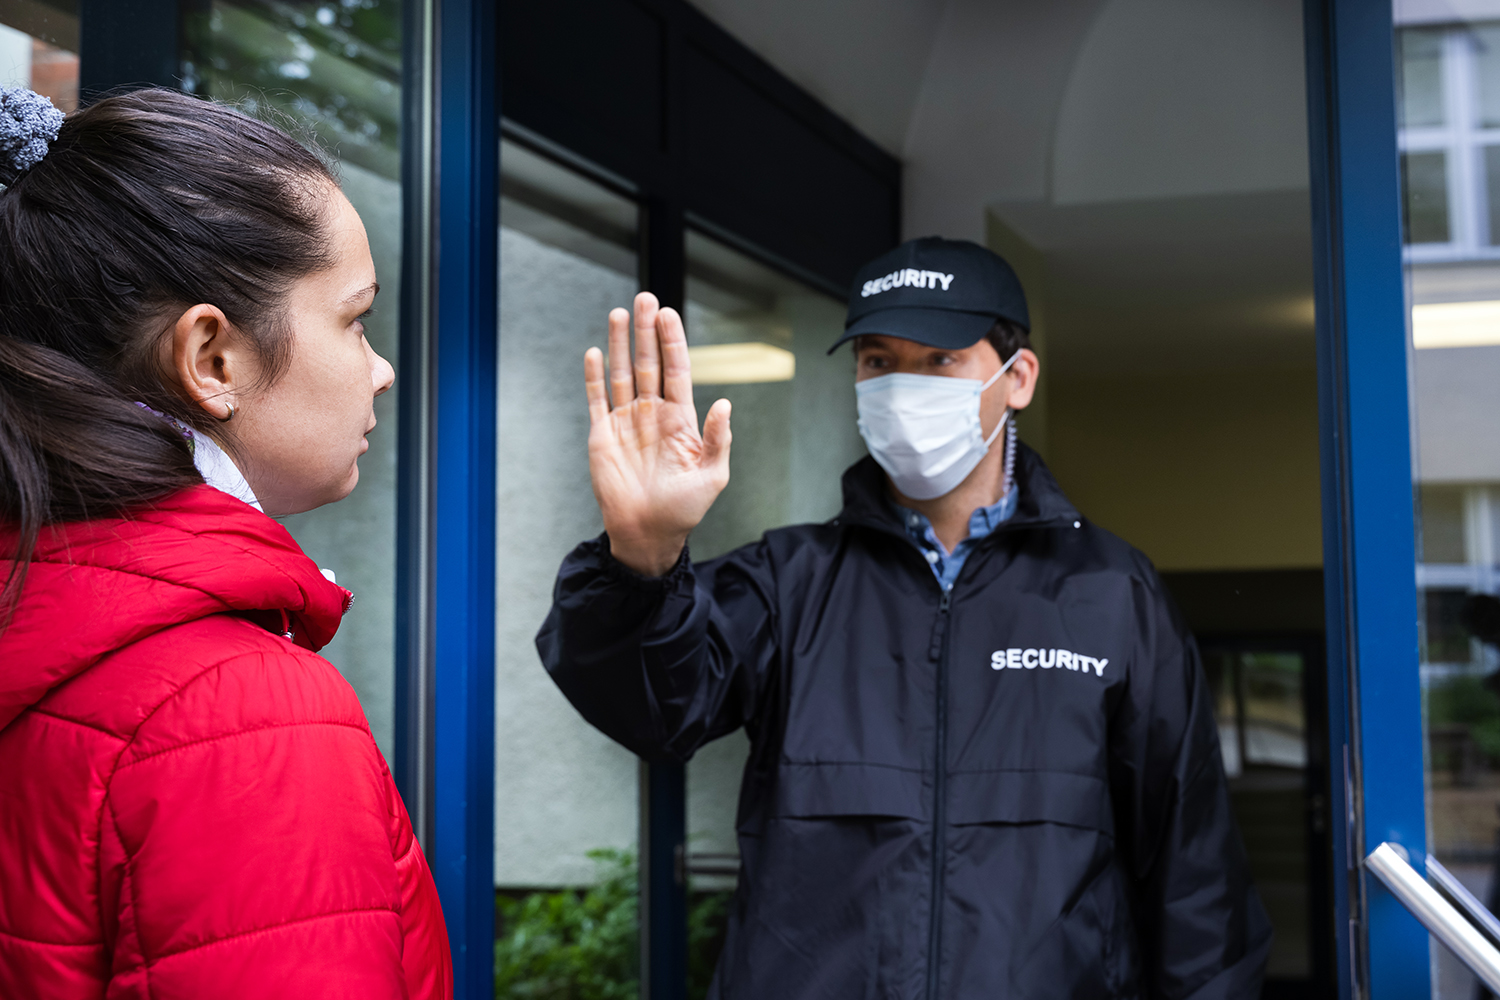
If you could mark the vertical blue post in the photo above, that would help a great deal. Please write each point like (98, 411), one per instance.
(465, 330)
(1369, 550)
(663, 840)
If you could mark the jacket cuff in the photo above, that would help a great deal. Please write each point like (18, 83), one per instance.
(618, 571)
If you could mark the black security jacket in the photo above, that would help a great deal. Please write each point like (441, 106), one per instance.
(1010, 791)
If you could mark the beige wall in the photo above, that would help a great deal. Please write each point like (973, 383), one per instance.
(1200, 470)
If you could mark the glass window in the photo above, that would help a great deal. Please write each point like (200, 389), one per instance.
(1455, 303)
(1258, 702)
(566, 796)
(1425, 184)
(1442, 534)
(1484, 43)
(335, 70)
(36, 63)
(1491, 165)
(1421, 77)
(1275, 726)
(761, 340)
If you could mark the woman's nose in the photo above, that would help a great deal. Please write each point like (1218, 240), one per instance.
(381, 372)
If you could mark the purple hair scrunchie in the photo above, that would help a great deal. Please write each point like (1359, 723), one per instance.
(28, 125)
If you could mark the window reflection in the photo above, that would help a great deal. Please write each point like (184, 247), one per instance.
(1258, 693)
(1426, 189)
(1422, 77)
(1450, 136)
(794, 433)
(565, 794)
(36, 62)
(334, 67)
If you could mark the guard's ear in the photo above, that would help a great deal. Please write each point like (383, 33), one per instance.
(1023, 375)
(210, 360)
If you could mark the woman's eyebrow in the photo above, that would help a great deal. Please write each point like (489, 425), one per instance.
(373, 287)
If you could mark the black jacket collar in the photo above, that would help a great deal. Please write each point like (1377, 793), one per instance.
(1040, 504)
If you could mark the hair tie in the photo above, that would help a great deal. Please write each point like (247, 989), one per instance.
(28, 125)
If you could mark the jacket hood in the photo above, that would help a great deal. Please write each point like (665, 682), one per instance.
(96, 586)
(867, 498)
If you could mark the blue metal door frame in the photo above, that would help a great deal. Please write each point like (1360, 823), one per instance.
(1369, 551)
(464, 208)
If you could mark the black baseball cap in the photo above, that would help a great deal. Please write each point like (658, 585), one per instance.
(943, 293)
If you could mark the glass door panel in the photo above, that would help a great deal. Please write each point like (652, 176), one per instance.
(1261, 689)
(566, 796)
(1450, 103)
(760, 340)
(35, 53)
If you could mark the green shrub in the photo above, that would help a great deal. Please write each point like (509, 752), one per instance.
(1468, 701)
(584, 944)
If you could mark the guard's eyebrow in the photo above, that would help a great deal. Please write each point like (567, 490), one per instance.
(372, 287)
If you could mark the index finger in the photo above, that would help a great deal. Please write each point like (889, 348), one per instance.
(593, 385)
(677, 366)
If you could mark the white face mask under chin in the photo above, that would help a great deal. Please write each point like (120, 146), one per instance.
(924, 430)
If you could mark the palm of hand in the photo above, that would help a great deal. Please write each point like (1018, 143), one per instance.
(653, 474)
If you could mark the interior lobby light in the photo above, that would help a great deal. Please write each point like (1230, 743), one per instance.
(1456, 324)
(733, 364)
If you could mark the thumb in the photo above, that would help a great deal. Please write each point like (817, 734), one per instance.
(716, 434)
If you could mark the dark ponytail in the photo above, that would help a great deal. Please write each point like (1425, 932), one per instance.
(145, 204)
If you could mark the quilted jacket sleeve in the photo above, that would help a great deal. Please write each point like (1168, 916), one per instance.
(665, 665)
(1204, 933)
(253, 845)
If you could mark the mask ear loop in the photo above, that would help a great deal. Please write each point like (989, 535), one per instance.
(1004, 420)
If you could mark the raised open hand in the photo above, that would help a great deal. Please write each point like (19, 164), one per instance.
(654, 475)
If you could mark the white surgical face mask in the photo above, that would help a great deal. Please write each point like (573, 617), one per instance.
(924, 429)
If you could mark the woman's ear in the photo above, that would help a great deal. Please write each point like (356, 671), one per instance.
(1025, 371)
(210, 361)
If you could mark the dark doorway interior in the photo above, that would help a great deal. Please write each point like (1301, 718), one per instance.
(1261, 636)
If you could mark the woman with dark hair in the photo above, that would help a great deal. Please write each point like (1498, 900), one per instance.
(191, 803)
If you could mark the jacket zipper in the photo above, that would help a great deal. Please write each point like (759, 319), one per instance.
(940, 803)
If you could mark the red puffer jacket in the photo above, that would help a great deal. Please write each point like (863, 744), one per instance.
(191, 804)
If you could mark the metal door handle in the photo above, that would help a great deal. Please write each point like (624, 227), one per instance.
(1442, 920)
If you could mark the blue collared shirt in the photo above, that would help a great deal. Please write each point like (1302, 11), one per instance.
(947, 565)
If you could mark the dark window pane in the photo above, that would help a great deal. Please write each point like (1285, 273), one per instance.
(1444, 638)
(1275, 726)
(1492, 190)
(1442, 514)
(1425, 188)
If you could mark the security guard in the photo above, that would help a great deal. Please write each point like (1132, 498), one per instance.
(984, 762)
